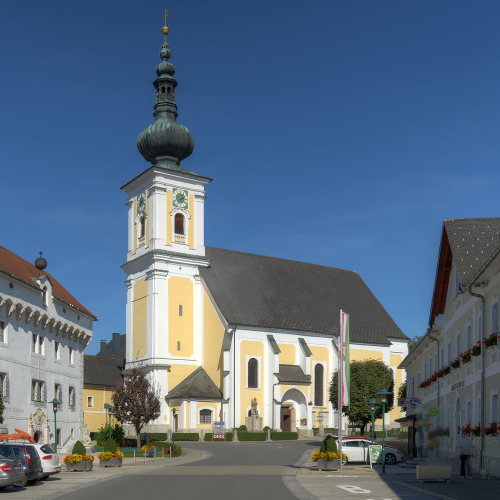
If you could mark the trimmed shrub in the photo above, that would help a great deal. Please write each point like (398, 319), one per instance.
(208, 437)
(186, 436)
(78, 448)
(266, 428)
(242, 428)
(252, 436)
(159, 436)
(110, 445)
(282, 436)
(329, 444)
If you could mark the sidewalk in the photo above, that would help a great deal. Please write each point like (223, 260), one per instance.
(397, 483)
(68, 482)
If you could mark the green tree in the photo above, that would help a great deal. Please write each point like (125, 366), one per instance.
(413, 343)
(367, 378)
(402, 394)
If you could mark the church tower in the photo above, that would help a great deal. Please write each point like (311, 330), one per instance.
(165, 247)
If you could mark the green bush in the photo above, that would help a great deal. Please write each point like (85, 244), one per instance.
(177, 451)
(282, 436)
(78, 448)
(267, 428)
(208, 437)
(159, 436)
(329, 444)
(242, 428)
(252, 436)
(110, 445)
(186, 436)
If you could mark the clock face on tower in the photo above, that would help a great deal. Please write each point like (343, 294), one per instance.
(180, 198)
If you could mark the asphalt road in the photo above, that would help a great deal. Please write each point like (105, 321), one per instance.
(235, 471)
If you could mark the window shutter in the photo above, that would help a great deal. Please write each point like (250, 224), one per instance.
(318, 385)
(253, 375)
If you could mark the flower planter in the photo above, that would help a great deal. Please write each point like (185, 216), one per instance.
(114, 462)
(328, 464)
(79, 467)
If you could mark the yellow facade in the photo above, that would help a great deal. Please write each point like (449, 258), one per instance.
(364, 354)
(134, 211)
(287, 354)
(140, 319)
(178, 373)
(94, 416)
(169, 218)
(214, 334)
(249, 348)
(191, 223)
(180, 293)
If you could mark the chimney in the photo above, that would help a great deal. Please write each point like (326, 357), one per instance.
(116, 342)
(103, 347)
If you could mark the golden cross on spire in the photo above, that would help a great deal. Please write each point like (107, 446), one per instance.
(165, 30)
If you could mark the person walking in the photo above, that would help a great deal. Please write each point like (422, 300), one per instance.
(465, 448)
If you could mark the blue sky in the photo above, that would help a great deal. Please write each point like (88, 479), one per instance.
(336, 132)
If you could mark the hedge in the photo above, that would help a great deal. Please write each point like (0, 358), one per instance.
(158, 436)
(208, 437)
(252, 436)
(186, 436)
(281, 436)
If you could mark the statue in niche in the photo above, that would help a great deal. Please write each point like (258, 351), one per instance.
(253, 421)
(254, 410)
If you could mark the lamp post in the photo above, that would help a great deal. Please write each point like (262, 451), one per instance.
(384, 395)
(173, 429)
(109, 409)
(373, 408)
(55, 402)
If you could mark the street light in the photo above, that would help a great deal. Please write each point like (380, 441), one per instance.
(173, 429)
(109, 410)
(373, 408)
(55, 402)
(384, 395)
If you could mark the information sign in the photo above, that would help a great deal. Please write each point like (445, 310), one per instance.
(375, 454)
(218, 430)
(402, 401)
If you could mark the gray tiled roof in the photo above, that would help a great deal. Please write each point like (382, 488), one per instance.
(102, 371)
(472, 242)
(293, 374)
(198, 385)
(115, 348)
(267, 292)
(305, 347)
(274, 345)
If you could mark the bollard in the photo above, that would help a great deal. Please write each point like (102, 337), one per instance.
(155, 452)
(170, 451)
(163, 452)
(145, 456)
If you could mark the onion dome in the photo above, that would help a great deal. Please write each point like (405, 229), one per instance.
(165, 142)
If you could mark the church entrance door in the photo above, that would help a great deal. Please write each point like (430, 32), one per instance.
(286, 419)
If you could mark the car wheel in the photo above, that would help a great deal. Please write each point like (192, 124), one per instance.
(23, 483)
(390, 459)
(32, 482)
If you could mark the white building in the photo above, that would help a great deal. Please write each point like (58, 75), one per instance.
(43, 333)
(455, 368)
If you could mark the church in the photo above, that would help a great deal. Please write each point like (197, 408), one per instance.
(216, 329)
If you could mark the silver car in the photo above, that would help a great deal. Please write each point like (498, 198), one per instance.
(11, 473)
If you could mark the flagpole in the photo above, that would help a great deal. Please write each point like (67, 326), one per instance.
(340, 378)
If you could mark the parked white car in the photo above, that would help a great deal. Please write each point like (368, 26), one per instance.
(49, 459)
(356, 450)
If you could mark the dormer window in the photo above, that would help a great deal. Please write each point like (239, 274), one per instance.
(179, 224)
(143, 227)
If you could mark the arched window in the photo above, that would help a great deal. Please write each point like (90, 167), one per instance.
(253, 373)
(318, 385)
(179, 224)
(205, 416)
(143, 227)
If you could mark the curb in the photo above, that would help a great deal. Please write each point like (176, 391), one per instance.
(290, 480)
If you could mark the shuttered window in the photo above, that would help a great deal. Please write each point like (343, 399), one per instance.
(205, 416)
(318, 385)
(253, 373)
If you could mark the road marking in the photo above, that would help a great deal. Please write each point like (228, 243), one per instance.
(353, 489)
(333, 475)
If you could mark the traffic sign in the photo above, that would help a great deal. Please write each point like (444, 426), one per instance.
(433, 412)
(402, 401)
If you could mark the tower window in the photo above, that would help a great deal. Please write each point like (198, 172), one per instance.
(169, 90)
(143, 227)
(179, 224)
(180, 310)
(163, 90)
(178, 345)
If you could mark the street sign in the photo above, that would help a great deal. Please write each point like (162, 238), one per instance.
(433, 412)
(402, 401)
(375, 453)
(414, 402)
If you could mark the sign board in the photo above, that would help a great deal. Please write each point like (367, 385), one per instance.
(458, 385)
(218, 430)
(402, 401)
(219, 424)
(433, 412)
(414, 402)
(375, 454)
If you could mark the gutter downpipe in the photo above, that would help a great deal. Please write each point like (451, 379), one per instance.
(483, 359)
(429, 331)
